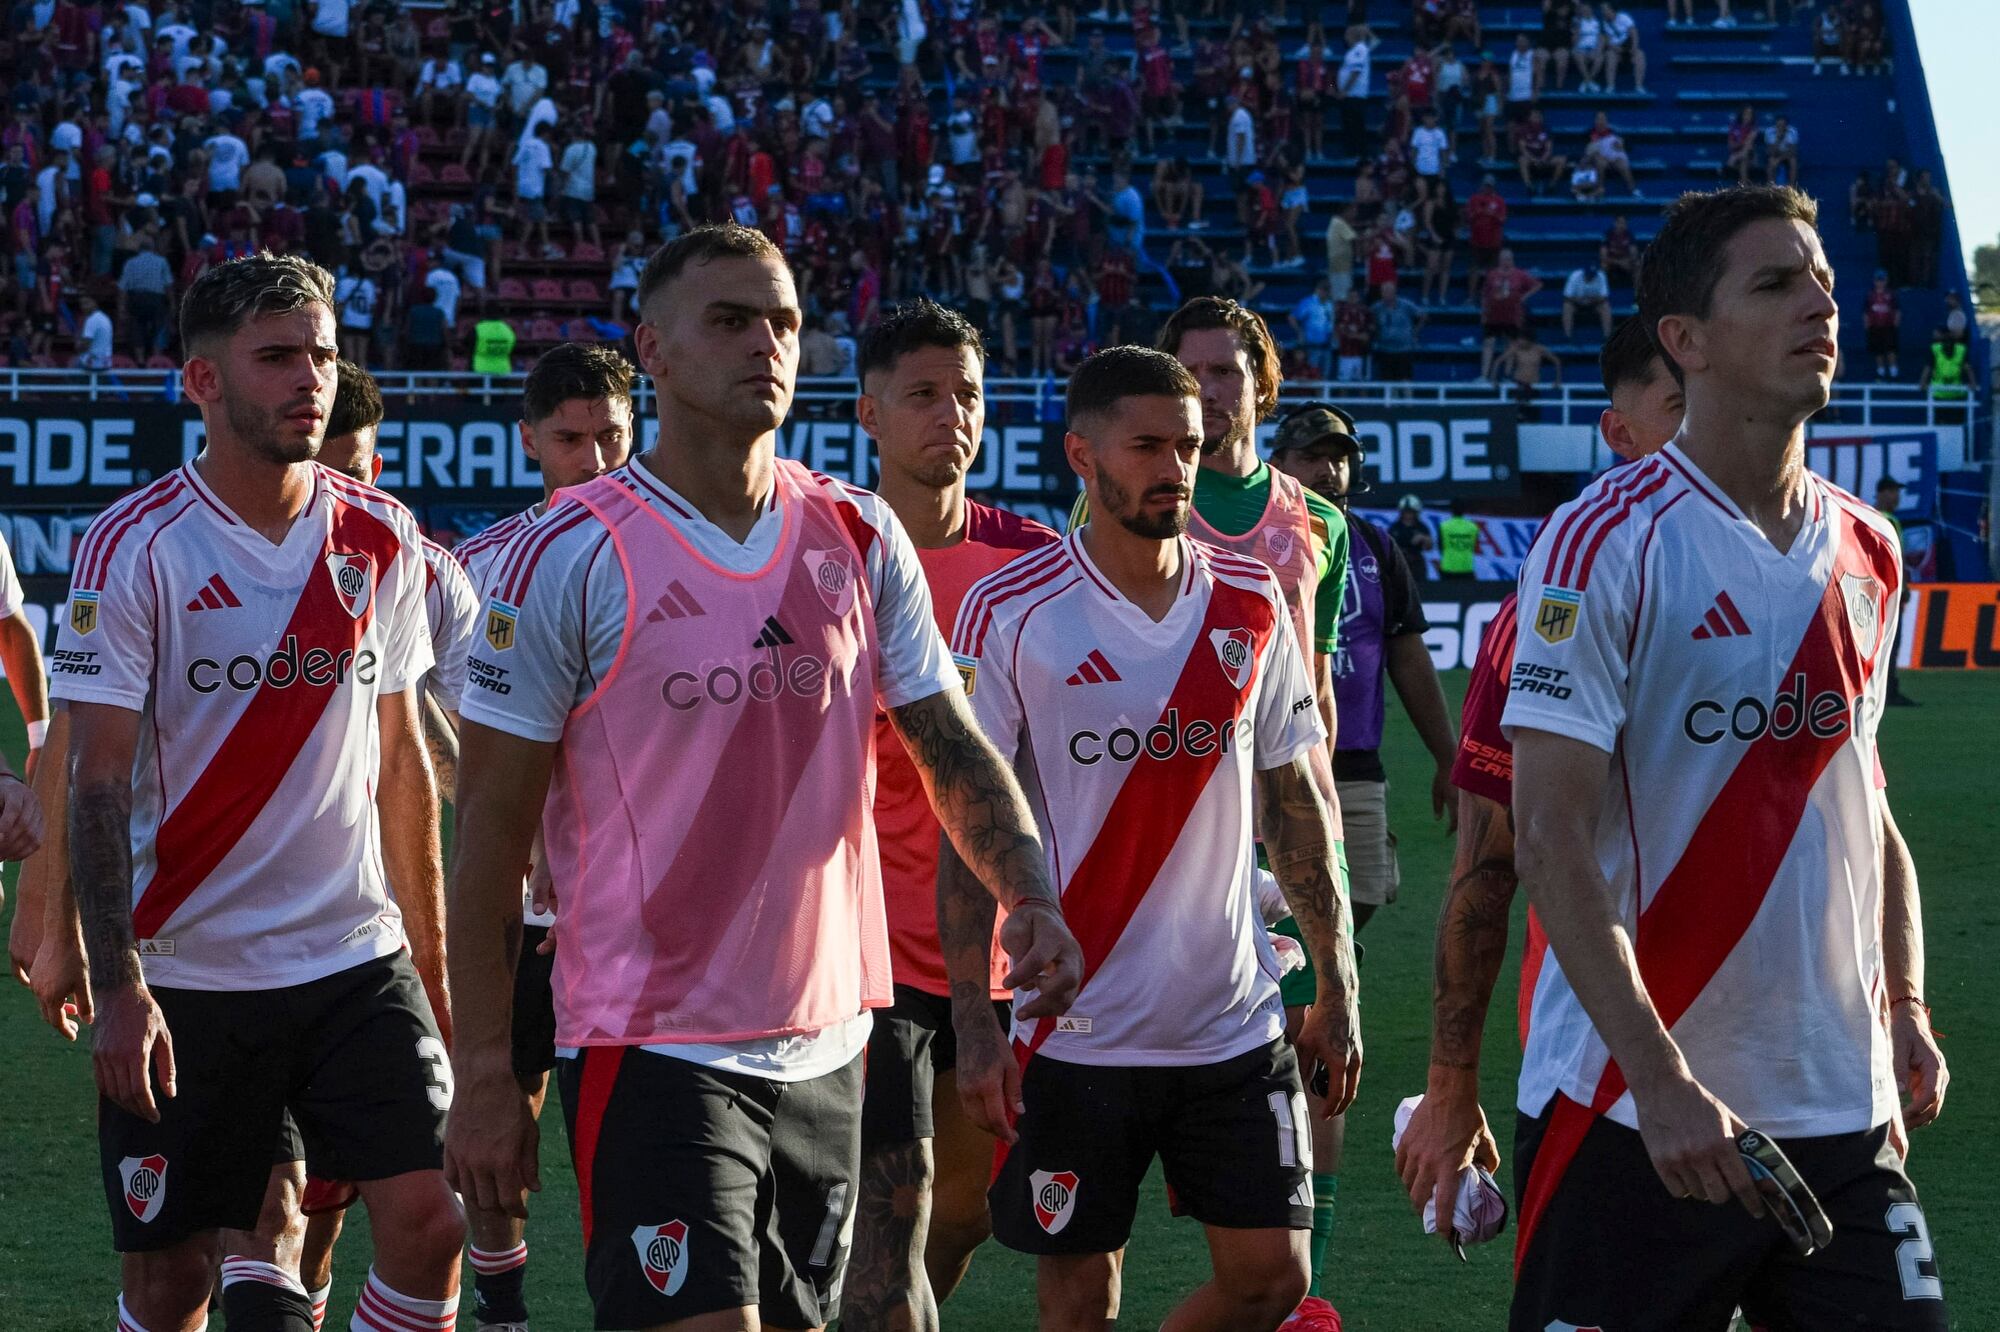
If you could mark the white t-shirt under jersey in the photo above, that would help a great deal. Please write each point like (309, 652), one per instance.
(256, 852)
(1136, 740)
(1737, 688)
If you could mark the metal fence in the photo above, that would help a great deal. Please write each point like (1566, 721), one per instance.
(1875, 405)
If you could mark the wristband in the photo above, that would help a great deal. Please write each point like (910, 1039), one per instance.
(38, 732)
(1911, 999)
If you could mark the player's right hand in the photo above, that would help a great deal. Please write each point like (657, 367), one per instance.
(1047, 958)
(491, 1143)
(989, 1076)
(1331, 1035)
(1447, 1132)
(1691, 1137)
(20, 819)
(131, 1042)
(61, 981)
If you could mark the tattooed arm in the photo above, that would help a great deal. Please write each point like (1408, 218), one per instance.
(988, 825)
(131, 1036)
(441, 741)
(1298, 839)
(1449, 1131)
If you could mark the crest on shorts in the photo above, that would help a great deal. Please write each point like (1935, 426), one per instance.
(1233, 650)
(663, 1255)
(1863, 597)
(353, 581)
(500, 618)
(833, 577)
(83, 612)
(145, 1180)
(1055, 1198)
(1556, 616)
(1279, 543)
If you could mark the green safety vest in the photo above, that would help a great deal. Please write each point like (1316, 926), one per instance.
(1457, 539)
(492, 347)
(1948, 370)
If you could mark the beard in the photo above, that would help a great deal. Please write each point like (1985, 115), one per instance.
(265, 432)
(1118, 502)
(1228, 439)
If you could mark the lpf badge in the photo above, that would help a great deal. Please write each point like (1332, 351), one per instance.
(1555, 618)
(353, 582)
(500, 621)
(1864, 610)
(83, 612)
(833, 577)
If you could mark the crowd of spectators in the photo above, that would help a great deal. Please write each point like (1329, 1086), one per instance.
(482, 168)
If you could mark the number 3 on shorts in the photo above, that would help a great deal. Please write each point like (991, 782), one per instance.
(1295, 1143)
(437, 1074)
(1911, 1255)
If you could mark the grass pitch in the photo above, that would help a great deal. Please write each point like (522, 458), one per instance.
(57, 1273)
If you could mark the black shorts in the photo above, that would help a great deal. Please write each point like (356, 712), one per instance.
(1502, 331)
(703, 1190)
(1883, 341)
(1232, 1137)
(912, 1043)
(1612, 1248)
(534, 1007)
(353, 1057)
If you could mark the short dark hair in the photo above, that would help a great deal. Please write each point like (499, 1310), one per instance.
(911, 325)
(1685, 261)
(728, 240)
(357, 401)
(1629, 356)
(574, 370)
(1250, 329)
(1109, 377)
(232, 293)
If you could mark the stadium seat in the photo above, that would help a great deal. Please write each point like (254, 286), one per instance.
(586, 253)
(544, 330)
(161, 361)
(548, 291)
(451, 173)
(123, 362)
(513, 290)
(584, 291)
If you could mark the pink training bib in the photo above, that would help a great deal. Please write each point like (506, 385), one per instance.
(708, 817)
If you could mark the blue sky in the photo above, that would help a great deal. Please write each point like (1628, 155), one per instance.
(1958, 43)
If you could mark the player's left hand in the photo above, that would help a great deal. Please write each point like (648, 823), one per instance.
(1444, 798)
(492, 1146)
(20, 819)
(1331, 1035)
(1918, 1062)
(1047, 958)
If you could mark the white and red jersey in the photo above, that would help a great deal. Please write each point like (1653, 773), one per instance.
(1737, 688)
(11, 598)
(477, 553)
(1136, 741)
(451, 609)
(256, 854)
(714, 703)
(905, 824)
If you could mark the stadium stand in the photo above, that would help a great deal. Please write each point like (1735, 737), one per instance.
(1065, 177)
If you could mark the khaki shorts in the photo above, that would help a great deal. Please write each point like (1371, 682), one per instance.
(1372, 873)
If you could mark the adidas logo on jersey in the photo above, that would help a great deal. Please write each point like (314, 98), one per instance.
(1722, 621)
(773, 635)
(677, 604)
(1096, 669)
(214, 595)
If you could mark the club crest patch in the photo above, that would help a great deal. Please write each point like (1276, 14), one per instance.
(1280, 542)
(353, 581)
(1054, 1196)
(834, 577)
(663, 1255)
(145, 1179)
(1556, 616)
(1233, 648)
(1863, 597)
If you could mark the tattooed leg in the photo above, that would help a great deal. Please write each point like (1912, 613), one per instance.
(886, 1289)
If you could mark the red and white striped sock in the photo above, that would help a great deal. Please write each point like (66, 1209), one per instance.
(127, 1323)
(318, 1298)
(492, 1262)
(249, 1269)
(381, 1309)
